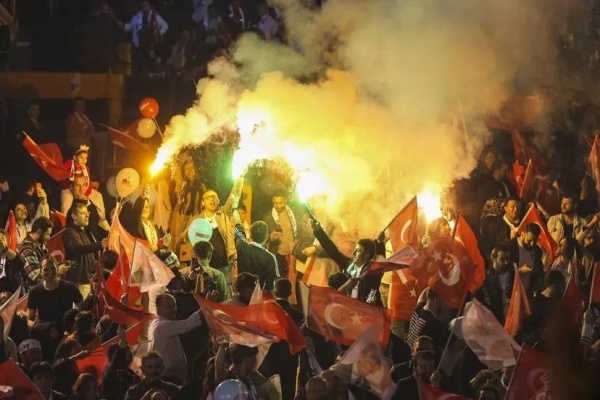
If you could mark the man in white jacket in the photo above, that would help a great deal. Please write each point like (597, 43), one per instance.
(567, 223)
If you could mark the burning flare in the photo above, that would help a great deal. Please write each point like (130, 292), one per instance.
(430, 205)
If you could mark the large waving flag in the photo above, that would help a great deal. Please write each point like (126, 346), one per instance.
(94, 364)
(465, 235)
(486, 337)
(447, 268)
(518, 309)
(403, 228)
(45, 161)
(404, 295)
(343, 319)
(119, 281)
(574, 301)
(532, 378)
(125, 138)
(16, 384)
(364, 365)
(253, 325)
(8, 310)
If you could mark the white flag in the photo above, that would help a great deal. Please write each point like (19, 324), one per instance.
(486, 337)
(364, 365)
(8, 310)
(148, 270)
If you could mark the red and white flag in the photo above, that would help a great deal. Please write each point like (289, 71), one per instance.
(518, 309)
(526, 190)
(126, 139)
(403, 228)
(45, 161)
(252, 325)
(399, 260)
(132, 335)
(11, 231)
(56, 247)
(364, 365)
(343, 319)
(525, 152)
(404, 294)
(532, 378)
(465, 235)
(428, 392)
(119, 281)
(545, 240)
(59, 220)
(15, 384)
(8, 311)
(447, 268)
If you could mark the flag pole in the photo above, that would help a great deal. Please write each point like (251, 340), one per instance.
(515, 370)
(592, 287)
(458, 315)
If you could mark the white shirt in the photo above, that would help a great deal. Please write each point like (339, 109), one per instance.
(136, 23)
(164, 335)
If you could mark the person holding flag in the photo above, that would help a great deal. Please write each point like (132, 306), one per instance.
(358, 286)
(10, 265)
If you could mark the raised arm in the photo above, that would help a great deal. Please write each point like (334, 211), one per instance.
(330, 247)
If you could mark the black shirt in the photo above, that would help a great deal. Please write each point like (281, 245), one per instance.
(52, 305)
(219, 256)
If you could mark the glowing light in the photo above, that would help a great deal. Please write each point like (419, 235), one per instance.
(430, 205)
(162, 156)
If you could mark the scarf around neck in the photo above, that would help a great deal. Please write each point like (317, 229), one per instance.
(275, 215)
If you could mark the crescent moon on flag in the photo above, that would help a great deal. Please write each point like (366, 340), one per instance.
(454, 272)
(56, 253)
(329, 309)
(407, 225)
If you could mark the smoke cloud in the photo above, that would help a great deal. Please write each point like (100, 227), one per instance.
(368, 93)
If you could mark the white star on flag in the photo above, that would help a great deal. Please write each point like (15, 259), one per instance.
(356, 320)
(437, 256)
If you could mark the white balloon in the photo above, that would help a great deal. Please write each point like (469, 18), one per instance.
(146, 128)
(111, 186)
(200, 230)
(127, 181)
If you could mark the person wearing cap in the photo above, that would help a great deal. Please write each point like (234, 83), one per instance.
(79, 186)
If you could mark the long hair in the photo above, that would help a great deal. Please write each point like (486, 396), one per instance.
(194, 189)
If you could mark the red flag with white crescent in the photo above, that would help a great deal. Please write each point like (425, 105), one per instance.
(466, 236)
(46, 162)
(56, 248)
(403, 228)
(404, 294)
(253, 325)
(13, 380)
(447, 268)
(343, 319)
(545, 240)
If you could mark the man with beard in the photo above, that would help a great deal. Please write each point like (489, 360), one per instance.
(283, 230)
(567, 223)
(423, 369)
(32, 249)
(527, 255)
(497, 230)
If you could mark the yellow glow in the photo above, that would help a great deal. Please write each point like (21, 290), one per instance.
(430, 206)
(162, 156)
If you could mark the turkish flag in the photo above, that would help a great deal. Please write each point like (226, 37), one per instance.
(132, 335)
(119, 280)
(518, 173)
(52, 151)
(13, 377)
(94, 364)
(595, 290)
(404, 294)
(574, 301)
(55, 170)
(118, 238)
(11, 230)
(56, 248)
(465, 235)
(343, 319)
(518, 309)
(122, 314)
(403, 228)
(447, 268)
(545, 240)
(429, 392)
(22, 303)
(595, 161)
(124, 139)
(532, 378)
(59, 220)
(525, 152)
(253, 325)
(546, 196)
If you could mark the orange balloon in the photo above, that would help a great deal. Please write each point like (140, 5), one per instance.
(149, 107)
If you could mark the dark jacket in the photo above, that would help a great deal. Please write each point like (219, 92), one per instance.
(367, 283)
(494, 231)
(537, 275)
(255, 259)
(81, 247)
(13, 269)
(490, 292)
(117, 377)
